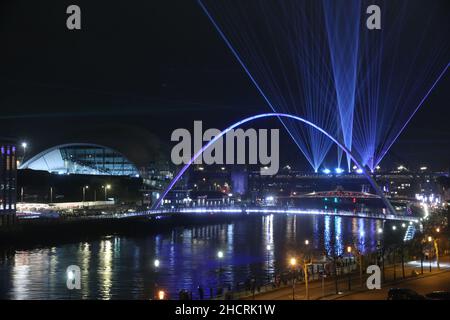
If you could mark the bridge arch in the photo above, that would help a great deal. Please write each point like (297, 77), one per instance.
(278, 115)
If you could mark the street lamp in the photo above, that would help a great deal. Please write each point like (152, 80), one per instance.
(24, 146)
(293, 263)
(156, 263)
(349, 251)
(84, 192)
(107, 187)
(161, 294)
(430, 239)
(306, 242)
(436, 249)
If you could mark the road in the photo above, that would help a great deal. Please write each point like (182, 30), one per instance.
(422, 285)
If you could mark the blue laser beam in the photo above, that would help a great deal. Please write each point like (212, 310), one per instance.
(278, 115)
(290, 77)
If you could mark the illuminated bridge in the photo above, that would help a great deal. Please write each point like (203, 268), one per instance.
(335, 194)
(277, 210)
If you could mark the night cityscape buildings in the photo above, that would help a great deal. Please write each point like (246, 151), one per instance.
(78, 158)
(8, 182)
(94, 206)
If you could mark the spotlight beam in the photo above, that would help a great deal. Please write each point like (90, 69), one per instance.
(412, 115)
(247, 71)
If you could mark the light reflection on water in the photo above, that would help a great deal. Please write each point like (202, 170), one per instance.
(122, 267)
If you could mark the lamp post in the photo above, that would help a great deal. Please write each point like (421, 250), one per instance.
(293, 263)
(24, 147)
(106, 188)
(161, 295)
(436, 248)
(84, 192)
(305, 270)
(349, 251)
(51, 194)
(430, 239)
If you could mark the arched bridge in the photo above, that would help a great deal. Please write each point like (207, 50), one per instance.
(279, 115)
(277, 210)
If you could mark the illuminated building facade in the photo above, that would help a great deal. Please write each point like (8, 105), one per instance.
(82, 158)
(8, 177)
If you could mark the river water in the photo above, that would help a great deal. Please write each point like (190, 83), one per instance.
(122, 267)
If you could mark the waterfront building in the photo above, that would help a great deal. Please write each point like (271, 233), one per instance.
(8, 178)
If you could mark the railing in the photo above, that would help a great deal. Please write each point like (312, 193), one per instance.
(285, 211)
(242, 293)
(238, 210)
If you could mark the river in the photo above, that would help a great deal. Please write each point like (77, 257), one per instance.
(122, 267)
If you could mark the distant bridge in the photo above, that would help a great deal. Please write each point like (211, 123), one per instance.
(335, 194)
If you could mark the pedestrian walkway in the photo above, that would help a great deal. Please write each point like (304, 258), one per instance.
(393, 276)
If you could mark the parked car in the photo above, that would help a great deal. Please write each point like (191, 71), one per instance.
(404, 294)
(438, 295)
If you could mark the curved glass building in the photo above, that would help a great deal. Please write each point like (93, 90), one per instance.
(81, 158)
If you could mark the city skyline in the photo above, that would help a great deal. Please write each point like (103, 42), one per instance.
(225, 151)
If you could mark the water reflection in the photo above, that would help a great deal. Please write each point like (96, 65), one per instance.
(338, 249)
(123, 267)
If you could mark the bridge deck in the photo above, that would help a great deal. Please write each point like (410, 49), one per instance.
(285, 211)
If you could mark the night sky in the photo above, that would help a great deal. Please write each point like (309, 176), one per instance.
(140, 69)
